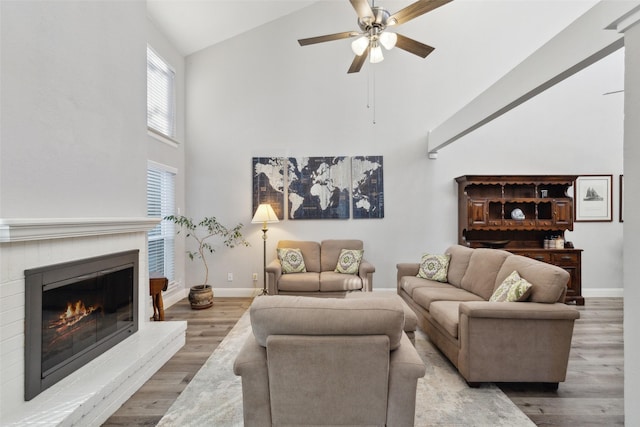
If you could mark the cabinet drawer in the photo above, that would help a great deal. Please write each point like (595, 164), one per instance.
(564, 258)
(538, 256)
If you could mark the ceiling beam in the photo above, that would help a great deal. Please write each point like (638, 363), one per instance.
(583, 42)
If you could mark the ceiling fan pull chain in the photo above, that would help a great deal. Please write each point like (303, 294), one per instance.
(373, 73)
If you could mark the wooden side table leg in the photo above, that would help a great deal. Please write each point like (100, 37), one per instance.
(160, 305)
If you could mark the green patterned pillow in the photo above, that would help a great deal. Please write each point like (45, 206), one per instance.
(349, 261)
(291, 260)
(434, 267)
(513, 288)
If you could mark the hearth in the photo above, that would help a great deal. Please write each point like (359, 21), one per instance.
(76, 311)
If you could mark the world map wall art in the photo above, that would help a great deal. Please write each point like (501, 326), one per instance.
(320, 187)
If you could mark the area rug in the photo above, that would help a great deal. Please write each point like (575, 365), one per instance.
(214, 395)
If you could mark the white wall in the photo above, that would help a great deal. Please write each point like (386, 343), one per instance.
(73, 109)
(632, 222)
(261, 94)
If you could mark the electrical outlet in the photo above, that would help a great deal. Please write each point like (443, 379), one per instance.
(229, 277)
(255, 277)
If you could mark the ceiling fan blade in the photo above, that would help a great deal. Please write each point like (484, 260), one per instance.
(328, 38)
(362, 8)
(416, 9)
(413, 46)
(356, 65)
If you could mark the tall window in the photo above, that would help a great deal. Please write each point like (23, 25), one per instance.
(160, 203)
(161, 110)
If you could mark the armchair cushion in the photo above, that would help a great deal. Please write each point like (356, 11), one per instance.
(349, 261)
(291, 260)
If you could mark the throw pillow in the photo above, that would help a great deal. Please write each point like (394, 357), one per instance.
(434, 267)
(349, 261)
(291, 260)
(513, 288)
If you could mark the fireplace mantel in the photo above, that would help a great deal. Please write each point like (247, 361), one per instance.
(21, 230)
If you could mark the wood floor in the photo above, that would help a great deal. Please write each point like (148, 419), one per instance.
(591, 396)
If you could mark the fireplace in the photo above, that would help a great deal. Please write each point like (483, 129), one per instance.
(76, 311)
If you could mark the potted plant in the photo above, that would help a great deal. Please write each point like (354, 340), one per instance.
(201, 296)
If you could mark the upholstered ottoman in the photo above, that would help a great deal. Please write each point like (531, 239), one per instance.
(410, 319)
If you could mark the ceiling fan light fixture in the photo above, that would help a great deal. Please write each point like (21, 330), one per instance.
(375, 55)
(359, 45)
(388, 40)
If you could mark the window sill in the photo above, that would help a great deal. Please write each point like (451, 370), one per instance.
(162, 137)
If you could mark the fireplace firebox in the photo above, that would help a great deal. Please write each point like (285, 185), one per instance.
(74, 312)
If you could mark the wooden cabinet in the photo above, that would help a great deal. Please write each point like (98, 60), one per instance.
(568, 259)
(517, 213)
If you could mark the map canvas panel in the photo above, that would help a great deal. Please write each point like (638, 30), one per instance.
(367, 187)
(318, 187)
(268, 183)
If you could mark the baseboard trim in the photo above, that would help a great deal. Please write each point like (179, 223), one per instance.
(603, 292)
(169, 300)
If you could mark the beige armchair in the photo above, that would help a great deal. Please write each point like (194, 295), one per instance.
(317, 361)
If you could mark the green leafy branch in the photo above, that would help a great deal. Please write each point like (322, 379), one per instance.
(203, 231)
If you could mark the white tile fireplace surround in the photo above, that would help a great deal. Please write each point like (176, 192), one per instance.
(91, 394)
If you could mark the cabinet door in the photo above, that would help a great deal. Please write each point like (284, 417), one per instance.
(477, 211)
(563, 213)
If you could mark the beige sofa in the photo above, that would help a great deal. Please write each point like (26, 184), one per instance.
(320, 279)
(494, 341)
(328, 361)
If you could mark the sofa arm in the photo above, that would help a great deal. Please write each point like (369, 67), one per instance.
(406, 269)
(365, 272)
(274, 271)
(514, 341)
(251, 365)
(518, 310)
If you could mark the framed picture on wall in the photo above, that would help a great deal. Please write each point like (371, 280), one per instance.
(593, 198)
(621, 196)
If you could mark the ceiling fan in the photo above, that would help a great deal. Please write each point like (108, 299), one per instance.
(373, 22)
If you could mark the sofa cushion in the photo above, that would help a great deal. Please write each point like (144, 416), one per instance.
(410, 283)
(460, 256)
(291, 260)
(310, 252)
(549, 281)
(330, 281)
(484, 265)
(446, 314)
(299, 282)
(513, 288)
(434, 267)
(289, 315)
(330, 251)
(349, 261)
(425, 296)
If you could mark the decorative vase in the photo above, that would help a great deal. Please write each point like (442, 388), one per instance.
(201, 297)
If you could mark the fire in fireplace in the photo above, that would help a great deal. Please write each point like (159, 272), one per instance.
(76, 311)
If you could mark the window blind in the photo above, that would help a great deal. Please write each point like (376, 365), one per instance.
(160, 95)
(161, 203)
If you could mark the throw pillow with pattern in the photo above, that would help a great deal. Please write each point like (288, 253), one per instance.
(513, 288)
(434, 267)
(291, 260)
(349, 261)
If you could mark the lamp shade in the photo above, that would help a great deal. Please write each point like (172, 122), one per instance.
(376, 54)
(388, 40)
(264, 214)
(359, 45)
